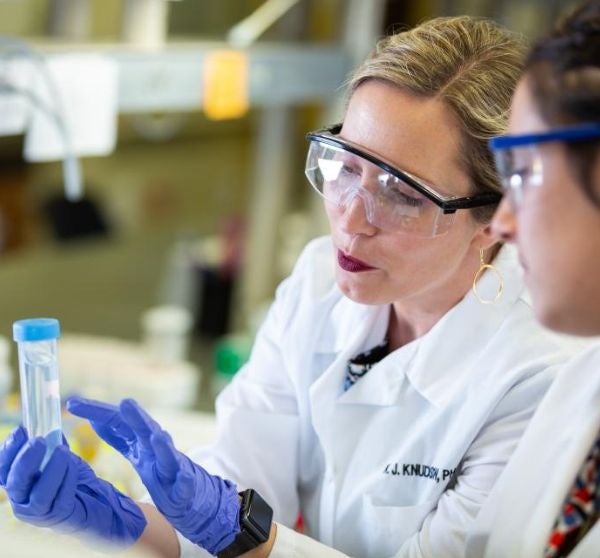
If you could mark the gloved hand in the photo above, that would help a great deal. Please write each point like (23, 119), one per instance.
(66, 496)
(204, 508)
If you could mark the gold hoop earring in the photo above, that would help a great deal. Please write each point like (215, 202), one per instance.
(483, 267)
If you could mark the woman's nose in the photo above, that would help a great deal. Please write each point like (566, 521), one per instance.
(504, 223)
(354, 214)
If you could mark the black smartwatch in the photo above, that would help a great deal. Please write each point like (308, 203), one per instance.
(256, 517)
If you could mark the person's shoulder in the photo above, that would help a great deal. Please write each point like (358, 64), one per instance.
(585, 364)
(537, 345)
(575, 387)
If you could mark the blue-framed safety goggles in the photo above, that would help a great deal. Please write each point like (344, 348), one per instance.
(519, 162)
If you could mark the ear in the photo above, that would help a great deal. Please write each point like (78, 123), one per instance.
(486, 238)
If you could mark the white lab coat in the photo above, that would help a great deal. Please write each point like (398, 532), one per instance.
(517, 518)
(369, 468)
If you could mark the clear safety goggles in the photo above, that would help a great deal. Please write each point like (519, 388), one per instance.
(520, 163)
(393, 199)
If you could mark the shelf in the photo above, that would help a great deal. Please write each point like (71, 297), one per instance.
(170, 79)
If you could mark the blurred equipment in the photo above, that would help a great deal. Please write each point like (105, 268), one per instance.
(21, 63)
(225, 84)
(6, 376)
(231, 353)
(40, 392)
(200, 276)
(14, 107)
(178, 286)
(247, 31)
(86, 85)
(216, 292)
(168, 77)
(165, 331)
(217, 268)
(109, 369)
(72, 220)
(145, 22)
(70, 19)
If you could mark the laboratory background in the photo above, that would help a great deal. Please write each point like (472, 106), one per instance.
(152, 189)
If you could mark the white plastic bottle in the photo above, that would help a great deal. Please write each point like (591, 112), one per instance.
(38, 371)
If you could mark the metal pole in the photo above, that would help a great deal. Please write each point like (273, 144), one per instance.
(271, 190)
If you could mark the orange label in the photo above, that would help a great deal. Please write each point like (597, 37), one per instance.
(225, 84)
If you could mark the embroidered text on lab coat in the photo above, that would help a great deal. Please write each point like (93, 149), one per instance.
(418, 470)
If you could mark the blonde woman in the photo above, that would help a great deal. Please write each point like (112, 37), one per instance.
(547, 503)
(383, 396)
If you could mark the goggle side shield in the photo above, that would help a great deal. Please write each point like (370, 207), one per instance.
(519, 160)
(519, 169)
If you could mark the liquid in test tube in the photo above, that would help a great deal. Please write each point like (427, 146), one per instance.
(38, 372)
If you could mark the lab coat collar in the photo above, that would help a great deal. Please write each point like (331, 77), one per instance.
(350, 321)
(384, 380)
(438, 363)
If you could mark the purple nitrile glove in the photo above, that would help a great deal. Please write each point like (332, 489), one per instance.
(204, 508)
(66, 496)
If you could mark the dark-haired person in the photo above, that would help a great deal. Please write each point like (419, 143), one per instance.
(547, 502)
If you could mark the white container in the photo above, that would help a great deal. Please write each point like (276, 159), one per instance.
(165, 333)
(111, 369)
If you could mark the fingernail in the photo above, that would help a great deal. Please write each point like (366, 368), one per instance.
(19, 438)
(62, 449)
(37, 442)
(128, 405)
(18, 434)
(73, 400)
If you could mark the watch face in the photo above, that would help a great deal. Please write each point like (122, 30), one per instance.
(257, 516)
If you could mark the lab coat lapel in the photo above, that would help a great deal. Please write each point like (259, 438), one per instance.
(380, 386)
(353, 324)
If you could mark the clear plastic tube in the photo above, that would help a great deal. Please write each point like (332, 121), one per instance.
(40, 393)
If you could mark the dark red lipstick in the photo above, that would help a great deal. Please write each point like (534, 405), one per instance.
(353, 265)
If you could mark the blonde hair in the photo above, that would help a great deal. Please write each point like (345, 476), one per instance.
(470, 63)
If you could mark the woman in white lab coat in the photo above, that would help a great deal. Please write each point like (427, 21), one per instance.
(547, 501)
(383, 396)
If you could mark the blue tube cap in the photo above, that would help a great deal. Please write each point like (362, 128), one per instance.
(36, 329)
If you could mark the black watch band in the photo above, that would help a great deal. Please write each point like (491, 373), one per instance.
(238, 547)
(256, 517)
